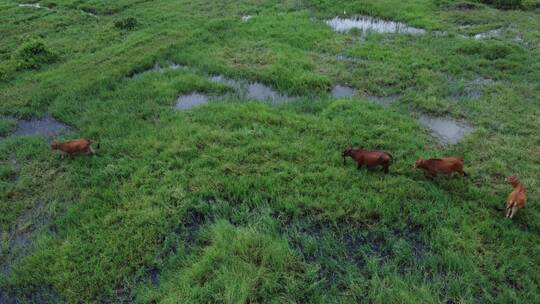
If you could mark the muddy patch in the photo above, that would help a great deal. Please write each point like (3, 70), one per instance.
(22, 234)
(30, 294)
(447, 130)
(252, 90)
(153, 275)
(471, 90)
(185, 102)
(46, 126)
(340, 91)
(333, 246)
(370, 24)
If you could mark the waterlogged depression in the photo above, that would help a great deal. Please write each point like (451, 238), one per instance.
(46, 126)
(189, 101)
(252, 90)
(367, 23)
(447, 130)
(343, 91)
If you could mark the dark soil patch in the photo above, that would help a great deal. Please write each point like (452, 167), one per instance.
(334, 246)
(22, 235)
(36, 295)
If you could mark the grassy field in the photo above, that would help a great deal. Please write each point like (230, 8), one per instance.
(239, 201)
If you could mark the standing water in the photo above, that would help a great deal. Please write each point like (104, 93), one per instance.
(46, 126)
(189, 101)
(252, 90)
(366, 23)
(449, 131)
(342, 91)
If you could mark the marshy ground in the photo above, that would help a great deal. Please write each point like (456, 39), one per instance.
(219, 177)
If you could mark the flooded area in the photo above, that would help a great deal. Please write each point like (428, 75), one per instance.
(252, 90)
(340, 91)
(367, 23)
(447, 130)
(185, 102)
(46, 126)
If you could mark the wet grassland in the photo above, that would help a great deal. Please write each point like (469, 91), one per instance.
(219, 177)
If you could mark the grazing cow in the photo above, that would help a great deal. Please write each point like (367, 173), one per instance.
(447, 165)
(369, 158)
(517, 198)
(74, 146)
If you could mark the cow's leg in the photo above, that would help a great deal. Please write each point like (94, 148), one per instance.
(91, 150)
(514, 210)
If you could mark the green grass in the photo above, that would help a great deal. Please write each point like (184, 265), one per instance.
(238, 201)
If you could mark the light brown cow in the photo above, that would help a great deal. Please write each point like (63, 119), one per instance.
(517, 198)
(369, 158)
(447, 165)
(75, 146)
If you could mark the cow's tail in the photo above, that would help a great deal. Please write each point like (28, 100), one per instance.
(93, 142)
(390, 155)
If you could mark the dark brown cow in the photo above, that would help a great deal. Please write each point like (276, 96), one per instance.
(369, 158)
(447, 165)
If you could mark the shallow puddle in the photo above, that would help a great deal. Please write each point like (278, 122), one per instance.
(33, 5)
(488, 35)
(185, 102)
(160, 68)
(46, 126)
(366, 23)
(252, 90)
(343, 91)
(448, 130)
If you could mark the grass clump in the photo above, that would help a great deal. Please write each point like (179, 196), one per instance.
(128, 23)
(6, 126)
(33, 54)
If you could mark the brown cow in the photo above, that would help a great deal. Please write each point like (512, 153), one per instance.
(447, 165)
(74, 146)
(517, 198)
(369, 158)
